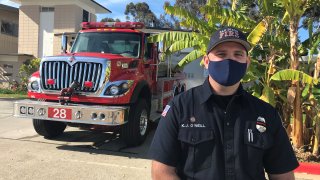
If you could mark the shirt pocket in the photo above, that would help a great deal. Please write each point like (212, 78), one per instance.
(199, 143)
(254, 138)
(256, 144)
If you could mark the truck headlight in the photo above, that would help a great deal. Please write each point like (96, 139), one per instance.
(114, 90)
(118, 87)
(33, 84)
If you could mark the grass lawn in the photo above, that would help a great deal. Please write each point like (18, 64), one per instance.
(14, 96)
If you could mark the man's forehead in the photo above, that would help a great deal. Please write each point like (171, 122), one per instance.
(224, 46)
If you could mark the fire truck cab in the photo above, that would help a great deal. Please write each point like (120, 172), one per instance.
(110, 80)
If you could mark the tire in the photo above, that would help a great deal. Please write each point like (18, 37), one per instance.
(135, 131)
(48, 129)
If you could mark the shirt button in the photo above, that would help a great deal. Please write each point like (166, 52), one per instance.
(228, 123)
(193, 139)
(229, 171)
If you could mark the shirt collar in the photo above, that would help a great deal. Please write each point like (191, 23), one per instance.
(207, 92)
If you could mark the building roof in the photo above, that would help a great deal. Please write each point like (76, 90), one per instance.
(99, 5)
(8, 8)
(98, 8)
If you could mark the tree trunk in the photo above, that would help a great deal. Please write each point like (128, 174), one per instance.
(308, 126)
(315, 149)
(297, 112)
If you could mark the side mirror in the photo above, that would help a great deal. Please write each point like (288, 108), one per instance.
(64, 43)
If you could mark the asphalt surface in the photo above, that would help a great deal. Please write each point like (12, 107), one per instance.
(77, 154)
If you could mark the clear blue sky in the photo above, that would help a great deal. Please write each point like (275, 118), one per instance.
(118, 7)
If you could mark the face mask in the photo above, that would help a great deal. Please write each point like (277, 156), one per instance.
(227, 72)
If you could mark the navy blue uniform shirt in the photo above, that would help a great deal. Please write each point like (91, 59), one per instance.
(206, 138)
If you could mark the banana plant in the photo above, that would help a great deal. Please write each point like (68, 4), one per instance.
(202, 29)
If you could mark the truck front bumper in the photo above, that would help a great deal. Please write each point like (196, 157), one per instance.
(72, 113)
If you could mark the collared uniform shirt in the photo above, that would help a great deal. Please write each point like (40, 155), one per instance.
(205, 141)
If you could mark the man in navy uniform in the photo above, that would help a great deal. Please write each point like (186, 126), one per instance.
(218, 130)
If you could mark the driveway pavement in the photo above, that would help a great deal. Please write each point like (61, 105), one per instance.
(77, 154)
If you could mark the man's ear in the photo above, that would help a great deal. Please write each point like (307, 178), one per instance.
(206, 61)
(248, 62)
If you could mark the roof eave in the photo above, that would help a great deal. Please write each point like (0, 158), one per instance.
(100, 9)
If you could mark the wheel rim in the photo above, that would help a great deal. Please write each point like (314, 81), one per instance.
(143, 122)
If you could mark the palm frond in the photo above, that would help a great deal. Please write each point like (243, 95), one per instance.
(227, 17)
(193, 55)
(179, 45)
(170, 36)
(293, 75)
(258, 32)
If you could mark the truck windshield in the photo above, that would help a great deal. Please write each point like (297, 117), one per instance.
(125, 44)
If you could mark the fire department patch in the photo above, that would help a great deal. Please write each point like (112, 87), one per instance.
(166, 109)
(261, 124)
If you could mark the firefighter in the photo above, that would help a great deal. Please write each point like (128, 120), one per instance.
(218, 130)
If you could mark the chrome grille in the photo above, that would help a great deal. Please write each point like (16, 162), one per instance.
(64, 74)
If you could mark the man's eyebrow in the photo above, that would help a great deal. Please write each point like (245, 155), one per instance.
(220, 50)
(239, 51)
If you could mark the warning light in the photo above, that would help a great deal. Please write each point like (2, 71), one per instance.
(88, 84)
(120, 25)
(50, 81)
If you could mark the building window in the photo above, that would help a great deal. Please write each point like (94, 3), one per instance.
(47, 9)
(9, 28)
(85, 17)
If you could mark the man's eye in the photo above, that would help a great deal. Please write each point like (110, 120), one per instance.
(221, 54)
(239, 54)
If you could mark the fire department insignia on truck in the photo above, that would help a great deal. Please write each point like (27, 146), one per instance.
(261, 124)
(71, 58)
(166, 109)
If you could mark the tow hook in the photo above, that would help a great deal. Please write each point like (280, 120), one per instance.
(66, 93)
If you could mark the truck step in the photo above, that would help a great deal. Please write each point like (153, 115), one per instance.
(155, 116)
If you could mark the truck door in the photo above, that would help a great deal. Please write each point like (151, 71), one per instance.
(149, 61)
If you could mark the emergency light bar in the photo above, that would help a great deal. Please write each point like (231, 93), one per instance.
(121, 25)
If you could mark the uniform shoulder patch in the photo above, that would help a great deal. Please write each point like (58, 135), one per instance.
(166, 109)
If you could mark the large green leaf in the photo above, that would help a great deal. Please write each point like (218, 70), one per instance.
(305, 91)
(294, 7)
(193, 55)
(257, 33)
(268, 96)
(224, 16)
(313, 49)
(179, 45)
(285, 18)
(293, 75)
(171, 36)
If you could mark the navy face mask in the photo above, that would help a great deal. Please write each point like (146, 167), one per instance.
(227, 72)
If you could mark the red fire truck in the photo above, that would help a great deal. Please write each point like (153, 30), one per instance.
(110, 80)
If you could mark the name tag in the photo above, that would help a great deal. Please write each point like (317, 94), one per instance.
(193, 125)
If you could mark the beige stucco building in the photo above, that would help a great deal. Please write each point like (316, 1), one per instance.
(34, 30)
(41, 20)
(9, 20)
(10, 60)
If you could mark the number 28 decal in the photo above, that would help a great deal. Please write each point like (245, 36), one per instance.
(59, 113)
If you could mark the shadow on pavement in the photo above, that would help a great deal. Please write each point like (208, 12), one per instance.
(103, 143)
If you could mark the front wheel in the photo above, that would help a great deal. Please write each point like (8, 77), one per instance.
(49, 129)
(135, 131)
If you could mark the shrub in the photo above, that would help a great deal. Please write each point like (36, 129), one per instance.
(25, 71)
